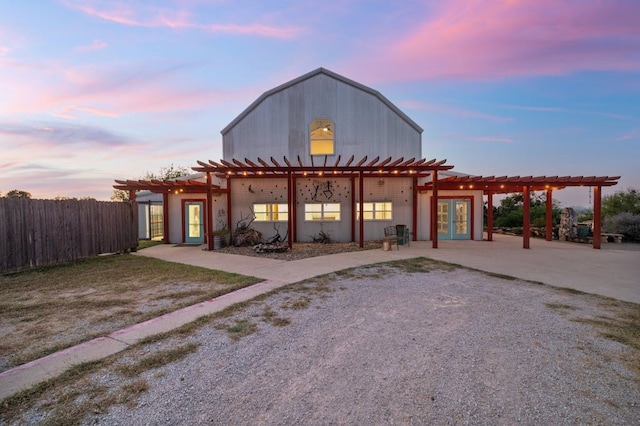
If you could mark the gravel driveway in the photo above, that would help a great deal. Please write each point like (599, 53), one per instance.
(383, 346)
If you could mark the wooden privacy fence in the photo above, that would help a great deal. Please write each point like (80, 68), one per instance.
(45, 232)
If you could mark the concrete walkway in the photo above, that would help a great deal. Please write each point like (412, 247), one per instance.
(610, 272)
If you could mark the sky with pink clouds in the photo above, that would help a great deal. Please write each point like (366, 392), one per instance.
(92, 91)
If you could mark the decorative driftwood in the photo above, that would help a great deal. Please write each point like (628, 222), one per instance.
(277, 238)
(271, 248)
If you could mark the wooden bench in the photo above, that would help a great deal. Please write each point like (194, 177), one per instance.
(390, 238)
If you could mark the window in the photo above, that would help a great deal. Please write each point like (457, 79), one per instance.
(376, 211)
(271, 212)
(321, 137)
(321, 211)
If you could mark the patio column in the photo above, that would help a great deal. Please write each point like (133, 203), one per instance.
(434, 210)
(229, 206)
(414, 201)
(209, 212)
(526, 216)
(549, 216)
(361, 201)
(165, 217)
(597, 216)
(353, 210)
(291, 225)
(489, 216)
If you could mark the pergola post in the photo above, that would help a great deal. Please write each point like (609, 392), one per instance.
(549, 216)
(597, 216)
(229, 206)
(361, 202)
(353, 210)
(165, 217)
(434, 210)
(209, 212)
(414, 202)
(489, 216)
(290, 209)
(526, 216)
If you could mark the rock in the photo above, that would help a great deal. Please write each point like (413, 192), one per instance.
(247, 237)
(568, 224)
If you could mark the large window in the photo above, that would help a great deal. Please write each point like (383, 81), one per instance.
(271, 212)
(376, 211)
(321, 137)
(321, 211)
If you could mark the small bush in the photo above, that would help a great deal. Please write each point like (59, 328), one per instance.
(627, 224)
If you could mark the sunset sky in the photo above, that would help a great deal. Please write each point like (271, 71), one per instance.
(92, 91)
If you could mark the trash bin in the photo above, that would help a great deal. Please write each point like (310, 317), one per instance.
(583, 230)
(401, 230)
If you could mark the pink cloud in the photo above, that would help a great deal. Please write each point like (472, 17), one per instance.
(69, 112)
(96, 45)
(491, 39)
(447, 109)
(151, 17)
(569, 110)
(632, 135)
(491, 139)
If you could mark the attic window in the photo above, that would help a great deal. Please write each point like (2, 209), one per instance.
(321, 137)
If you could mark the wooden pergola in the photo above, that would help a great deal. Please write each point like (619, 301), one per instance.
(509, 184)
(375, 168)
(166, 187)
(292, 170)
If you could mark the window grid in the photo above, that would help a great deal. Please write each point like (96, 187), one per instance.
(265, 212)
(376, 210)
(314, 212)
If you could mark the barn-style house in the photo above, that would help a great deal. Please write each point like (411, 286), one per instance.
(323, 153)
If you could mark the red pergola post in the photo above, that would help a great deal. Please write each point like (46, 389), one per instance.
(549, 216)
(361, 201)
(490, 216)
(526, 216)
(353, 210)
(291, 226)
(414, 201)
(597, 216)
(434, 210)
(165, 217)
(229, 205)
(209, 212)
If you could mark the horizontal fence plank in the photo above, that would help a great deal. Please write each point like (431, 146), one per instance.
(37, 233)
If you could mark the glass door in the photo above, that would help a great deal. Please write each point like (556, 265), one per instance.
(193, 222)
(454, 219)
(462, 226)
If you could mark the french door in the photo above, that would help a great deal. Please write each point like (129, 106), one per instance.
(454, 219)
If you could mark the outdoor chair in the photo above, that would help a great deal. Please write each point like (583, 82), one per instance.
(403, 235)
(391, 236)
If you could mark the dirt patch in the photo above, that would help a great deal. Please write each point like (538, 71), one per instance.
(49, 309)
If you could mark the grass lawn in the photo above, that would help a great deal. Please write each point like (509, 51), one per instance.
(48, 309)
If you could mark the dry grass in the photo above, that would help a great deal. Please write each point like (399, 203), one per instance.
(48, 309)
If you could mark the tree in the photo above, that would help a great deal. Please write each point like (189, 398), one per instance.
(509, 213)
(621, 202)
(18, 193)
(169, 172)
(621, 213)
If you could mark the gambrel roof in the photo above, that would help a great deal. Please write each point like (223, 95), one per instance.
(333, 75)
